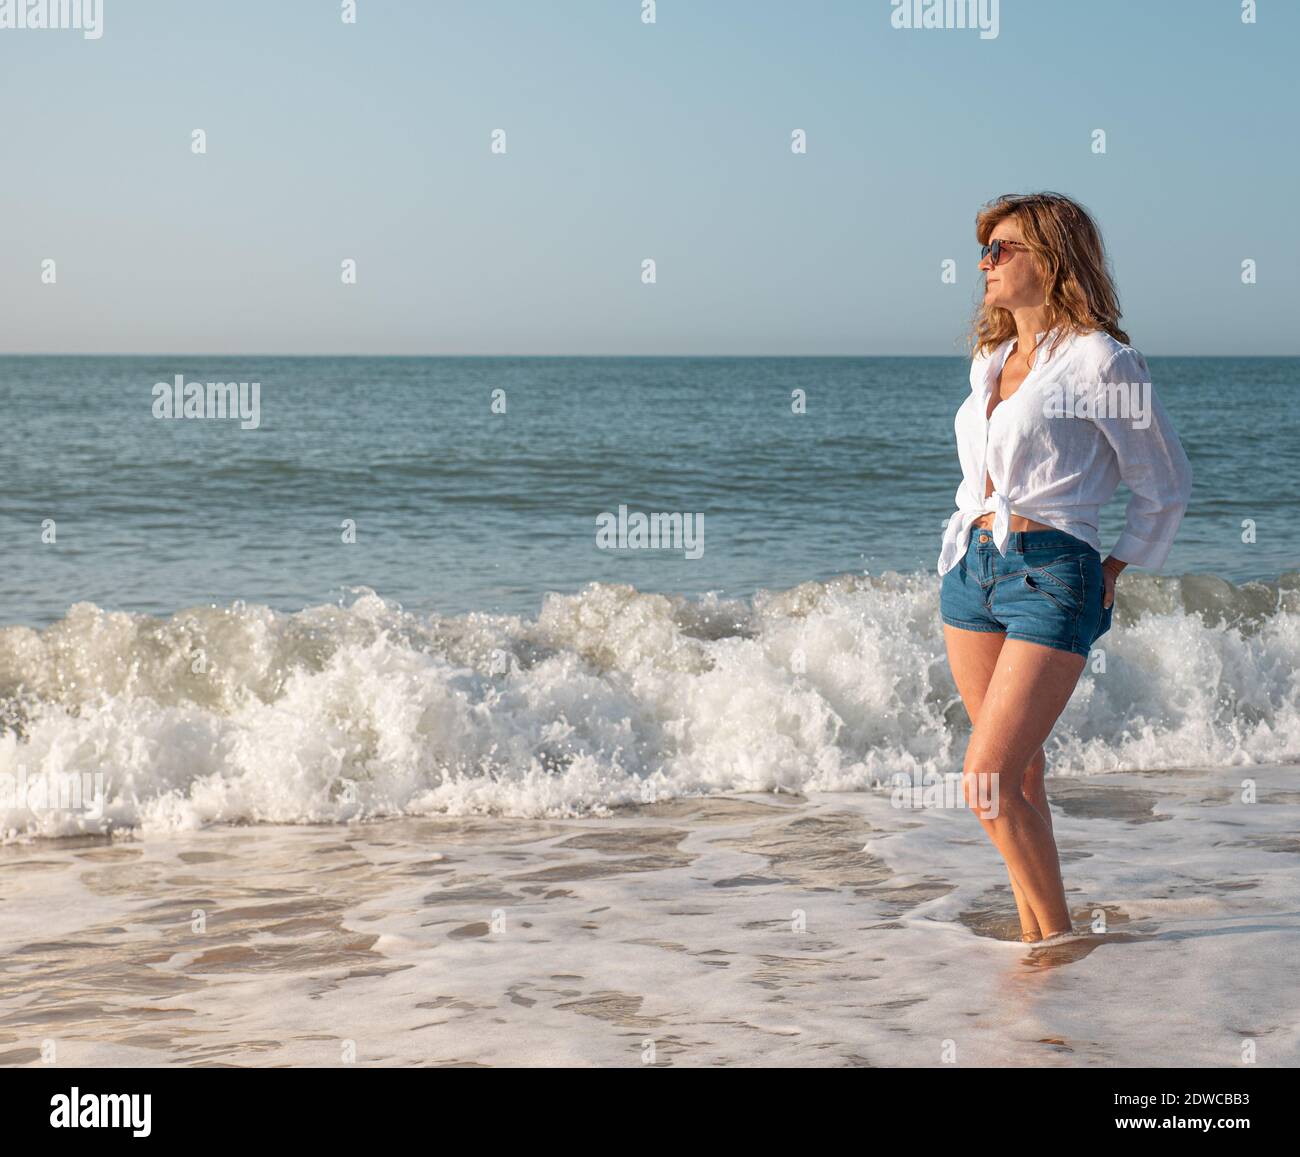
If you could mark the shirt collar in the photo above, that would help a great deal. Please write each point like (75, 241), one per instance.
(999, 357)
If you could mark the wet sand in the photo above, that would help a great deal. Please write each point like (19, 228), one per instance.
(831, 930)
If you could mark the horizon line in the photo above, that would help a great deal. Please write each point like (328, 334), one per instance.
(568, 356)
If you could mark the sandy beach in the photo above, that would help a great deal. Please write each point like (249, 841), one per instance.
(760, 929)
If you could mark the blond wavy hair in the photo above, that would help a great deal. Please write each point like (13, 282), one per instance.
(1065, 246)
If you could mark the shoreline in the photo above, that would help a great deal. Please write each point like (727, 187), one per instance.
(824, 930)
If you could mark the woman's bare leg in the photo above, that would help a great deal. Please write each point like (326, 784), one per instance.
(1035, 791)
(1029, 689)
(973, 657)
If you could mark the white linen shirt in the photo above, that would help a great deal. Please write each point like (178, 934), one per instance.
(1084, 419)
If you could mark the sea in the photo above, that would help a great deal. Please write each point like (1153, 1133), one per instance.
(401, 740)
(399, 586)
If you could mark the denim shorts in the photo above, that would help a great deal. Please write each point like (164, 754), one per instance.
(1047, 589)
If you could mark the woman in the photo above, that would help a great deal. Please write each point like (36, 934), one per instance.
(1061, 410)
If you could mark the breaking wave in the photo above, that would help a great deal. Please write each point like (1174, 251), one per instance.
(608, 697)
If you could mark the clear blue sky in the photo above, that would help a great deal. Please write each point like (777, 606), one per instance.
(628, 141)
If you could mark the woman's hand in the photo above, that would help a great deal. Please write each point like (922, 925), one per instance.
(1109, 573)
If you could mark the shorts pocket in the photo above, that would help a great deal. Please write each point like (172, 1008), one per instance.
(1059, 582)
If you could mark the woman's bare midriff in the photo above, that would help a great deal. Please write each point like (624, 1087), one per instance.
(1018, 522)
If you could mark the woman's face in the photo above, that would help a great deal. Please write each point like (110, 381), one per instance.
(1014, 283)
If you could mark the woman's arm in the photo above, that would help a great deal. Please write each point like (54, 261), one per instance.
(1151, 462)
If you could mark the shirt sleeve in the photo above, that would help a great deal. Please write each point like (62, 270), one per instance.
(1150, 457)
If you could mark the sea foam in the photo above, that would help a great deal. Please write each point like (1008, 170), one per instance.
(609, 696)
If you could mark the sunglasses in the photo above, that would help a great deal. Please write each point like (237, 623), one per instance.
(995, 250)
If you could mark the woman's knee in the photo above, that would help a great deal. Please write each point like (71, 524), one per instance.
(988, 758)
(994, 806)
(987, 774)
(981, 789)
